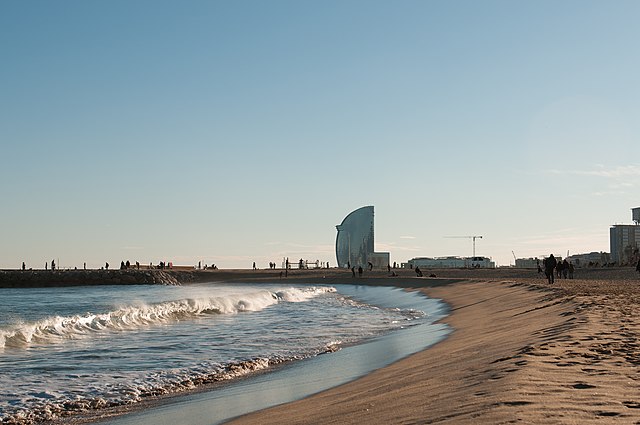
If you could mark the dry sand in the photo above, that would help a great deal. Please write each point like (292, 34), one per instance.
(522, 351)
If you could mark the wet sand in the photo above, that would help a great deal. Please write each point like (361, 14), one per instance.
(522, 351)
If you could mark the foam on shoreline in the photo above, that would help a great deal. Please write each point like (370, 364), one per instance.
(302, 378)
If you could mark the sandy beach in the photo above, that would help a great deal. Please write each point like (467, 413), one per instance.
(521, 351)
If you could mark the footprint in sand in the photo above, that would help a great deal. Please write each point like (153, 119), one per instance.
(582, 386)
(601, 413)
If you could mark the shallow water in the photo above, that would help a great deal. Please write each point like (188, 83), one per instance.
(85, 348)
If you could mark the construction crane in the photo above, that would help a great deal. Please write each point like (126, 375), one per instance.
(473, 238)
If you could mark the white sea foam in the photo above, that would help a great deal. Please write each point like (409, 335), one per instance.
(56, 329)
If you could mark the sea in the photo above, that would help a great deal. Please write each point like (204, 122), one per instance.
(66, 351)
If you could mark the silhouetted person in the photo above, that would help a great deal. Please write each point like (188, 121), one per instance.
(106, 266)
(53, 265)
(571, 269)
(23, 266)
(370, 265)
(638, 266)
(353, 272)
(360, 271)
(418, 272)
(254, 265)
(559, 269)
(549, 268)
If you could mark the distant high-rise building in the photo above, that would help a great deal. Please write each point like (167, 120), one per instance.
(624, 240)
(355, 241)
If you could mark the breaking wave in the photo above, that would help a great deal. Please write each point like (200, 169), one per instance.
(57, 329)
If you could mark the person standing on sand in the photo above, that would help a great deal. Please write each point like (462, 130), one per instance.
(638, 266)
(549, 268)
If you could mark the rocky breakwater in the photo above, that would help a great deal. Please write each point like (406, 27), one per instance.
(48, 278)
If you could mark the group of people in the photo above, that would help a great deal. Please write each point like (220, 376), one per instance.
(127, 265)
(554, 268)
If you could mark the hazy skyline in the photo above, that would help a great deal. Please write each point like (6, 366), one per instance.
(233, 132)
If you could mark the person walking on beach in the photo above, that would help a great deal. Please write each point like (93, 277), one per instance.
(559, 269)
(565, 268)
(550, 268)
(359, 271)
(24, 266)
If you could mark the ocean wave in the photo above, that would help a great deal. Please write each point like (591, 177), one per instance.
(47, 407)
(57, 329)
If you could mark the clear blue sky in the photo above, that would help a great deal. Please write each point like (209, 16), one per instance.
(239, 131)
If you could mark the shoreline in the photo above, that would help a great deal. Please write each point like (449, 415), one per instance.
(293, 380)
(521, 350)
(448, 381)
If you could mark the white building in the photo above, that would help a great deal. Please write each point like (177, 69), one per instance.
(592, 259)
(450, 263)
(624, 240)
(528, 263)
